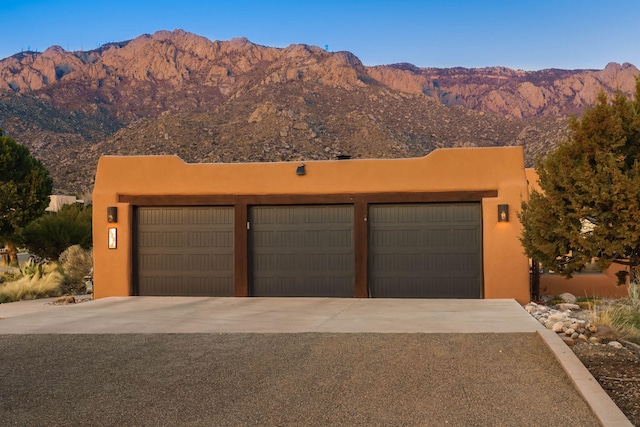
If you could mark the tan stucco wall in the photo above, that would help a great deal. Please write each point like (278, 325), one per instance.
(468, 169)
(581, 284)
(585, 284)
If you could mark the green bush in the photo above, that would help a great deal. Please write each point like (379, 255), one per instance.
(76, 263)
(52, 233)
(555, 300)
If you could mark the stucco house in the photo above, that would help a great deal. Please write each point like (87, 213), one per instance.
(439, 226)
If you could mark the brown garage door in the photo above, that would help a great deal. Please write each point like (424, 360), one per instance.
(425, 250)
(184, 251)
(302, 251)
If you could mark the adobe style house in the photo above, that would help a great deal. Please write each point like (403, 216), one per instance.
(440, 226)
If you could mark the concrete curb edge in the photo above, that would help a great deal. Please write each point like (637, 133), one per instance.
(598, 400)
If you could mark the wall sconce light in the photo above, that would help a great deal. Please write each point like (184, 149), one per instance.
(503, 213)
(113, 238)
(112, 214)
(300, 170)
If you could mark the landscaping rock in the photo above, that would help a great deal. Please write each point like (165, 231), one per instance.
(554, 317)
(570, 325)
(567, 306)
(615, 344)
(67, 299)
(605, 333)
(568, 298)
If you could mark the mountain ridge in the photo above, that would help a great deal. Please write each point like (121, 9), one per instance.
(174, 92)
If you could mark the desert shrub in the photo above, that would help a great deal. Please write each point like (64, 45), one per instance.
(588, 303)
(623, 318)
(76, 263)
(31, 268)
(40, 280)
(10, 275)
(555, 300)
(52, 233)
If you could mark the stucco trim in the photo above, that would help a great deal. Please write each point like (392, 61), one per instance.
(303, 199)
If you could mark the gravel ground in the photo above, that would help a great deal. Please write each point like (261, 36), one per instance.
(306, 379)
(618, 372)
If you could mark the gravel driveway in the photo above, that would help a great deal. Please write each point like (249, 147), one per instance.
(309, 379)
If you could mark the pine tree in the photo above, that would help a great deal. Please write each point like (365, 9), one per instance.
(25, 187)
(589, 207)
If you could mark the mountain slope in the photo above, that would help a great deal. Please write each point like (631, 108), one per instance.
(229, 101)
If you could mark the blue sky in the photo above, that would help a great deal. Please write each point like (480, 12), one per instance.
(520, 34)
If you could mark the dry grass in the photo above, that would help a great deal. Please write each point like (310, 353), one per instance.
(76, 264)
(43, 282)
(622, 316)
(589, 303)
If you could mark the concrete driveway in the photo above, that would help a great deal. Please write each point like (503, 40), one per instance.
(290, 361)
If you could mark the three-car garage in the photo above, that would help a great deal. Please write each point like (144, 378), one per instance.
(415, 250)
(429, 227)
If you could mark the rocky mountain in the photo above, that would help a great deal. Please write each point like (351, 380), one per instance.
(512, 93)
(235, 101)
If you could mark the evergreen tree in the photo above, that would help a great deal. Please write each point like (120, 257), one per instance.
(49, 235)
(25, 187)
(589, 207)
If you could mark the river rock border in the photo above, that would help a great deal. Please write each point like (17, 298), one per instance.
(572, 324)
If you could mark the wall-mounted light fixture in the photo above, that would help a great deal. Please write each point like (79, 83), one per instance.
(113, 238)
(503, 213)
(300, 170)
(112, 214)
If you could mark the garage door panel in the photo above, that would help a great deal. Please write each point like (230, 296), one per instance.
(465, 237)
(324, 237)
(206, 216)
(185, 251)
(426, 250)
(286, 262)
(160, 285)
(284, 286)
(171, 216)
(208, 239)
(158, 238)
(262, 239)
(149, 261)
(302, 250)
(197, 286)
(439, 287)
(210, 262)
